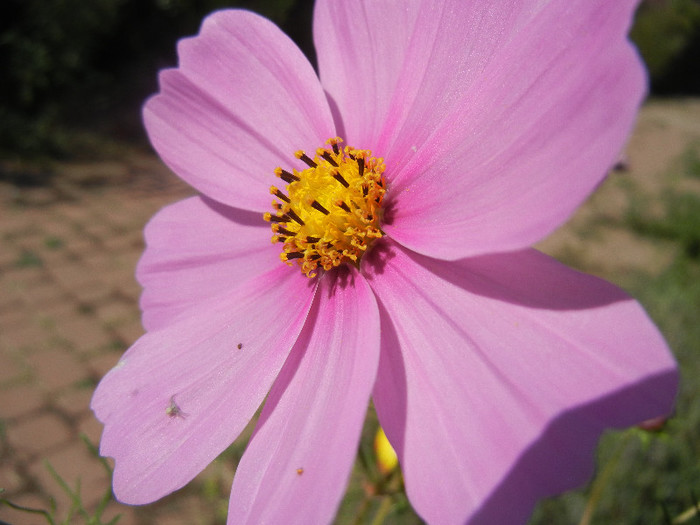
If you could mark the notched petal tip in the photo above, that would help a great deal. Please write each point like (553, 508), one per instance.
(225, 145)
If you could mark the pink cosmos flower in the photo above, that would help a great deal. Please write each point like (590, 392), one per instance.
(470, 130)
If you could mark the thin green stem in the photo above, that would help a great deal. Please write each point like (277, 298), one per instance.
(383, 511)
(44, 513)
(602, 479)
(687, 515)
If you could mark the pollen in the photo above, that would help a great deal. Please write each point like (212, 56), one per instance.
(329, 213)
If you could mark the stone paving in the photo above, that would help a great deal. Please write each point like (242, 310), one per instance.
(70, 237)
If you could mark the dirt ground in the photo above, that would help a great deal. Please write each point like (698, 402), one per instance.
(70, 236)
(597, 239)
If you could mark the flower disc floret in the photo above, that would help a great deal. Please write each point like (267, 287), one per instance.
(331, 211)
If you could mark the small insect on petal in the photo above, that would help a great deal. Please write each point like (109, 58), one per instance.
(240, 345)
(173, 410)
(300, 471)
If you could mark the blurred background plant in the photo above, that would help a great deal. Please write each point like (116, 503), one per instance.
(667, 33)
(72, 67)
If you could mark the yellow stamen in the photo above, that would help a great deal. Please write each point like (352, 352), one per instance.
(331, 211)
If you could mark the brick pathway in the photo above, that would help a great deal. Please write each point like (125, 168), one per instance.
(68, 309)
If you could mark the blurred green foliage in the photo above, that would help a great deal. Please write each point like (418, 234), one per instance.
(48, 47)
(667, 33)
(85, 64)
(75, 64)
(646, 477)
(45, 49)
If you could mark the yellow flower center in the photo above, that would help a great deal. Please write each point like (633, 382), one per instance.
(332, 210)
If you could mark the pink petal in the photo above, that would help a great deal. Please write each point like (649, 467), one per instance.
(361, 51)
(182, 394)
(241, 102)
(299, 459)
(498, 374)
(395, 70)
(496, 119)
(197, 249)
